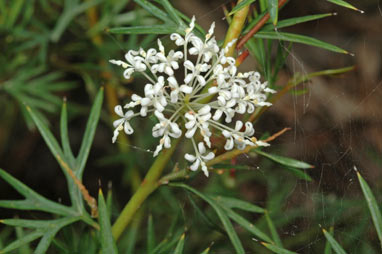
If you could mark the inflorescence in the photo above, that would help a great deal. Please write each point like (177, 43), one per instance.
(180, 105)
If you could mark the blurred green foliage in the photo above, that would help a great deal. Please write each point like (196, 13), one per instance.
(57, 48)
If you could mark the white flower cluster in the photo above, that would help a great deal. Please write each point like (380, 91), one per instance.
(179, 105)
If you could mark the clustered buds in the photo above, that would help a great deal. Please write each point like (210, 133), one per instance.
(179, 105)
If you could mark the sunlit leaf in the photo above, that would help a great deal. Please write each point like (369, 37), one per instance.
(373, 206)
(240, 6)
(274, 35)
(154, 29)
(344, 4)
(88, 136)
(297, 20)
(239, 204)
(335, 245)
(289, 162)
(272, 228)
(107, 241)
(273, 10)
(276, 249)
(180, 245)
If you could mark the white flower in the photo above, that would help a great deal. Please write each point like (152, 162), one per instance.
(200, 158)
(175, 98)
(122, 123)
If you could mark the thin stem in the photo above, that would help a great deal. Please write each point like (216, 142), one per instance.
(235, 28)
(148, 185)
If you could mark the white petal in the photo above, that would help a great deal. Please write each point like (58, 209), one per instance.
(209, 156)
(185, 89)
(118, 110)
(205, 170)
(189, 65)
(190, 124)
(127, 128)
(213, 90)
(238, 125)
(118, 122)
(115, 134)
(188, 78)
(201, 148)
(190, 133)
(204, 110)
(167, 142)
(229, 144)
(189, 157)
(172, 81)
(158, 149)
(195, 165)
(127, 73)
(217, 115)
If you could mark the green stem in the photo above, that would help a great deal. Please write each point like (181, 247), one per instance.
(148, 185)
(235, 28)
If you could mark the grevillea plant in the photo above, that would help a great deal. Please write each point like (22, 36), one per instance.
(195, 93)
(186, 104)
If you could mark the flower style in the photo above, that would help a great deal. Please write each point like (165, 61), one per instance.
(179, 104)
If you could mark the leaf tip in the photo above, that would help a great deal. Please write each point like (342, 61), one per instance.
(324, 231)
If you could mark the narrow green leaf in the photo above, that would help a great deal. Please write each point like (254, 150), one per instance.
(247, 225)
(328, 247)
(154, 29)
(155, 11)
(240, 6)
(150, 235)
(273, 10)
(180, 245)
(373, 206)
(14, 12)
(107, 242)
(272, 228)
(277, 249)
(48, 137)
(64, 133)
(34, 200)
(230, 166)
(285, 161)
(208, 222)
(25, 249)
(89, 133)
(344, 4)
(295, 21)
(27, 223)
(274, 35)
(131, 238)
(239, 204)
(221, 214)
(206, 251)
(170, 10)
(22, 241)
(51, 231)
(335, 245)
(299, 173)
